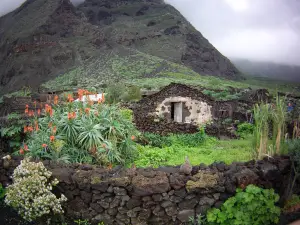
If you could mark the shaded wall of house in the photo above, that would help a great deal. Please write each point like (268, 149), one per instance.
(185, 110)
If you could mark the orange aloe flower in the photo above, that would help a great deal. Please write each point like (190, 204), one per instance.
(87, 111)
(55, 99)
(29, 128)
(132, 137)
(52, 138)
(25, 147)
(36, 125)
(26, 111)
(25, 129)
(110, 166)
(54, 129)
(44, 145)
(39, 112)
(69, 116)
(21, 151)
(103, 98)
(50, 124)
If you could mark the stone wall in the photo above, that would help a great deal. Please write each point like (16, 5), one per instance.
(154, 196)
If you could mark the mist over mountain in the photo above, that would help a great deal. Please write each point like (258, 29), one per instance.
(271, 70)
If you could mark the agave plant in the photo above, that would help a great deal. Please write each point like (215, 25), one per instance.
(83, 133)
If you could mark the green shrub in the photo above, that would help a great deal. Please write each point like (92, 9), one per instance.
(157, 140)
(245, 129)
(2, 192)
(132, 93)
(254, 206)
(189, 140)
(154, 157)
(13, 130)
(127, 114)
(30, 193)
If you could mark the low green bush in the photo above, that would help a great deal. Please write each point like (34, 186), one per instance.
(157, 140)
(2, 192)
(189, 140)
(254, 206)
(245, 130)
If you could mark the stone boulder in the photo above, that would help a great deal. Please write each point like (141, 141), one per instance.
(143, 186)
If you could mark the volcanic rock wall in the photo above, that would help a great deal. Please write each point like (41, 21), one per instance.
(154, 196)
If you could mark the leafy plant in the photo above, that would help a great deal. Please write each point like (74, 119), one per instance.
(2, 192)
(292, 204)
(199, 220)
(13, 131)
(294, 153)
(254, 206)
(82, 222)
(157, 140)
(245, 130)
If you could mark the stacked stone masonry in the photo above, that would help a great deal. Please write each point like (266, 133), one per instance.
(154, 196)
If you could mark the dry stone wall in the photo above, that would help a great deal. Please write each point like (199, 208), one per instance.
(154, 196)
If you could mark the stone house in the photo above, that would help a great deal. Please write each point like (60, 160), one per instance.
(179, 108)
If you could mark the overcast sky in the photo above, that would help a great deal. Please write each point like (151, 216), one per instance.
(254, 29)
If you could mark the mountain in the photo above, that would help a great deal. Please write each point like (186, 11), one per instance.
(270, 70)
(101, 40)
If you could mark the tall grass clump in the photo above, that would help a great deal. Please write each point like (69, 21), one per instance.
(279, 116)
(262, 114)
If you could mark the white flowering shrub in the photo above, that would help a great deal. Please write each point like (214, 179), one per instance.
(30, 193)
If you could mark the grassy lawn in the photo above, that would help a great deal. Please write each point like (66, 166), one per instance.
(212, 150)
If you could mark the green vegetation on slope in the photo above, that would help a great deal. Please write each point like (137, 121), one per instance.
(212, 150)
(146, 71)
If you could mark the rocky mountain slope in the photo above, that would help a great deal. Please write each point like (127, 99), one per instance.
(102, 39)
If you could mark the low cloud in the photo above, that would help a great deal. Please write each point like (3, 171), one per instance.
(266, 30)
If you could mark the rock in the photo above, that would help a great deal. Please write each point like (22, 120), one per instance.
(120, 191)
(115, 203)
(184, 215)
(120, 181)
(166, 204)
(246, 177)
(203, 180)
(82, 179)
(86, 196)
(171, 211)
(157, 197)
(132, 203)
(178, 181)
(180, 193)
(188, 204)
(202, 209)
(143, 186)
(175, 199)
(268, 170)
(144, 214)
(96, 207)
(206, 201)
(112, 211)
(103, 204)
(158, 211)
